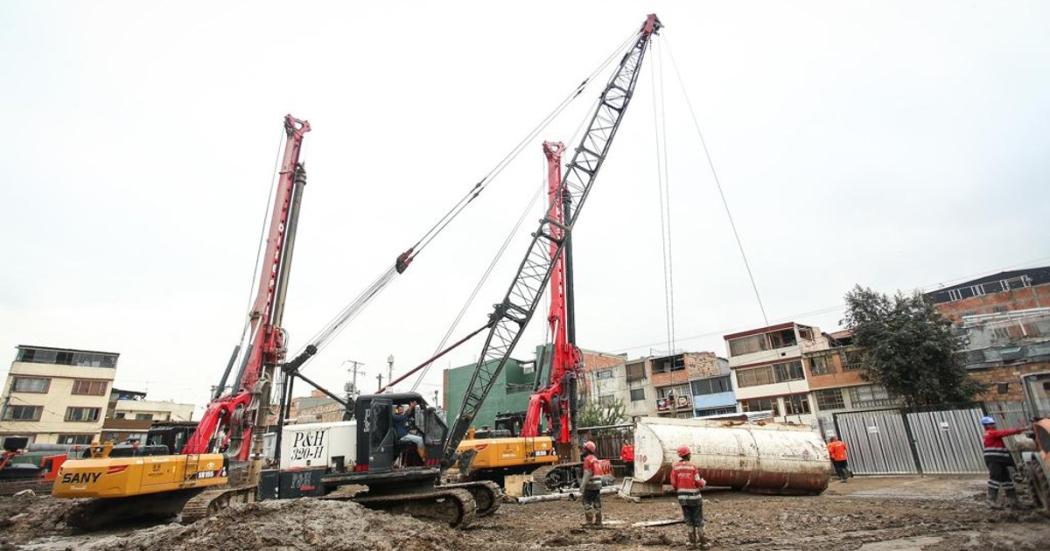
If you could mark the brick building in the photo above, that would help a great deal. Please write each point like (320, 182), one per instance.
(994, 294)
(767, 373)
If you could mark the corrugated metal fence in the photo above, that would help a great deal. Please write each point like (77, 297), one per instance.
(895, 442)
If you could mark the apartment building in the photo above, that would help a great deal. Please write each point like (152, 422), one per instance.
(767, 372)
(683, 385)
(130, 415)
(57, 395)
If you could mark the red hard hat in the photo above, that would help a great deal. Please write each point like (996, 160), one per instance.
(589, 446)
(683, 451)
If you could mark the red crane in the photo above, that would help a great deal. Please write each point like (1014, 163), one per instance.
(231, 417)
(554, 401)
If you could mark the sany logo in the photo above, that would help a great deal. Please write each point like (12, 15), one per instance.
(80, 478)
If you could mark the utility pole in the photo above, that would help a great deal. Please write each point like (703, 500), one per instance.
(379, 377)
(351, 389)
(389, 368)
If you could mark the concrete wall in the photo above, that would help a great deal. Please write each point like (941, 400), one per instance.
(59, 396)
(510, 392)
(161, 410)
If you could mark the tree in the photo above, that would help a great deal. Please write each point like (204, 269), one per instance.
(594, 414)
(908, 348)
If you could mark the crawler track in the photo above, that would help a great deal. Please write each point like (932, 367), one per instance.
(210, 502)
(454, 506)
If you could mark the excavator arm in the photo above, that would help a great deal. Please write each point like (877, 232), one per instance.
(513, 313)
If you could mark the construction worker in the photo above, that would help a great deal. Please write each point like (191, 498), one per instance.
(591, 485)
(686, 480)
(627, 456)
(997, 459)
(837, 451)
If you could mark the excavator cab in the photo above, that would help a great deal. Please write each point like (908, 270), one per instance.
(378, 447)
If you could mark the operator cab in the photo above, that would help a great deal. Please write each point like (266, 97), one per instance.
(379, 448)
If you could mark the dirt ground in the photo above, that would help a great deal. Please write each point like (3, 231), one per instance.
(868, 514)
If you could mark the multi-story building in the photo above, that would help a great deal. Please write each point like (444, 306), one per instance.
(836, 383)
(130, 415)
(681, 385)
(516, 382)
(57, 395)
(994, 294)
(767, 372)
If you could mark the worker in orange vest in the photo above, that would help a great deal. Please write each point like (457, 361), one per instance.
(837, 451)
(591, 485)
(627, 456)
(687, 483)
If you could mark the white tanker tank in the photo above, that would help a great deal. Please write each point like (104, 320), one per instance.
(768, 457)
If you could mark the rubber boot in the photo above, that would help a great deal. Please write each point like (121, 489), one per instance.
(598, 519)
(588, 519)
(704, 544)
(993, 498)
(1013, 502)
(692, 536)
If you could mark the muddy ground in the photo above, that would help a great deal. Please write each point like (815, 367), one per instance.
(869, 514)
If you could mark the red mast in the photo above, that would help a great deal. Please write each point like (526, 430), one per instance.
(553, 400)
(229, 420)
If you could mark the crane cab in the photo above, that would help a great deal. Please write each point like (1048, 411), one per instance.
(379, 449)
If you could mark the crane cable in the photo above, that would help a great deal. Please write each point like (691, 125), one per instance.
(718, 183)
(517, 226)
(350, 311)
(481, 282)
(664, 191)
(495, 171)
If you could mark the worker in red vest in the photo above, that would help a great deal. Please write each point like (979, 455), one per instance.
(591, 485)
(627, 456)
(997, 459)
(686, 480)
(837, 451)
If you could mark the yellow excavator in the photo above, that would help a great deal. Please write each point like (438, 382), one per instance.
(221, 460)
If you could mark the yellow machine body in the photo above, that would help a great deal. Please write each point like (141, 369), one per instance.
(510, 453)
(115, 477)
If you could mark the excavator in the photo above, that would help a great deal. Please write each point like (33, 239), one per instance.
(222, 461)
(1031, 453)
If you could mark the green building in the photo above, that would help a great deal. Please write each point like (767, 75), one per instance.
(510, 392)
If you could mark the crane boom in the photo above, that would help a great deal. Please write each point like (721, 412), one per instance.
(230, 418)
(513, 313)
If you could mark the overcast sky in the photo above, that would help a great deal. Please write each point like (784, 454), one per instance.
(892, 144)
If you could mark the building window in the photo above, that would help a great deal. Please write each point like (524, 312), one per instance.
(118, 415)
(1002, 388)
(37, 385)
(851, 360)
(636, 371)
(23, 413)
(748, 345)
(796, 404)
(90, 387)
(713, 385)
(78, 414)
(870, 396)
(667, 365)
(790, 371)
(821, 365)
(149, 416)
(66, 357)
(637, 394)
(715, 411)
(605, 374)
(760, 404)
(75, 438)
(754, 377)
(782, 339)
(1018, 282)
(677, 390)
(830, 399)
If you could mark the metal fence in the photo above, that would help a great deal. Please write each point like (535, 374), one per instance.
(878, 442)
(893, 441)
